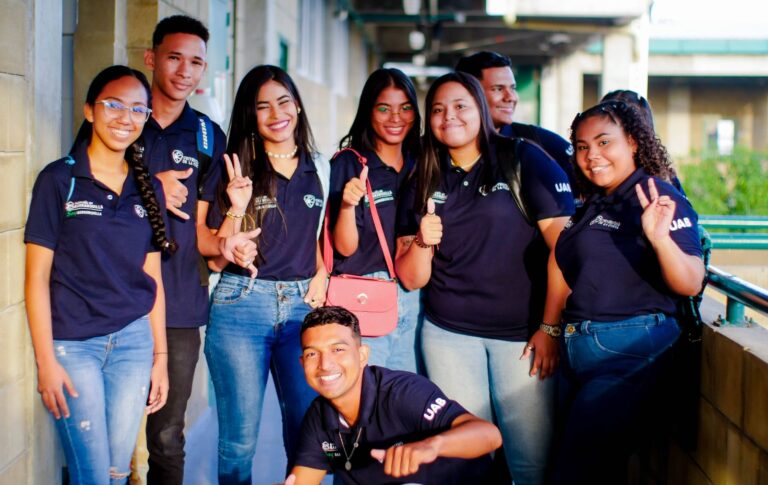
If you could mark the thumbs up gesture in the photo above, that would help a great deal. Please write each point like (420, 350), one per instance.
(354, 190)
(431, 227)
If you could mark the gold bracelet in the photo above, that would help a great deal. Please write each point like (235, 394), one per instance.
(417, 240)
(160, 353)
(232, 215)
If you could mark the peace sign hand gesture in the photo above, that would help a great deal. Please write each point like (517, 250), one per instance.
(657, 213)
(239, 188)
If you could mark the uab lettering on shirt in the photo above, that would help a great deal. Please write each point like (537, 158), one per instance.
(434, 408)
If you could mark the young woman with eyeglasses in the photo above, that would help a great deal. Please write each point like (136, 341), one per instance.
(621, 264)
(94, 294)
(277, 191)
(386, 132)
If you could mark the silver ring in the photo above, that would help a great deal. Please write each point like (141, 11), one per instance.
(530, 347)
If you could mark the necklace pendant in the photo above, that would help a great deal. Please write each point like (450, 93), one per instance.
(348, 466)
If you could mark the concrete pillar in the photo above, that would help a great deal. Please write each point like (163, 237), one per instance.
(678, 135)
(625, 58)
(100, 41)
(562, 93)
(256, 40)
(760, 123)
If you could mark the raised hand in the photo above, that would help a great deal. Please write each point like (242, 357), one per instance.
(241, 250)
(404, 460)
(658, 212)
(174, 190)
(239, 188)
(354, 190)
(431, 227)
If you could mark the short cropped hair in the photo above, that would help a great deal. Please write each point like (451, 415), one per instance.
(327, 315)
(179, 24)
(475, 63)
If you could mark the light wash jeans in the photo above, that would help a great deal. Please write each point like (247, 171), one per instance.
(609, 372)
(111, 375)
(487, 377)
(398, 350)
(254, 328)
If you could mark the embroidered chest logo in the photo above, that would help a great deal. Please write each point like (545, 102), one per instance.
(602, 221)
(680, 224)
(563, 187)
(140, 211)
(379, 196)
(179, 157)
(434, 408)
(439, 197)
(313, 201)
(83, 208)
(263, 202)
(330, 449)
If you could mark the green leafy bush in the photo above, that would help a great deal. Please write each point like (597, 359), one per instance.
(734, 184)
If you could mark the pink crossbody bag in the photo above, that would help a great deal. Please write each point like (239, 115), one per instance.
(372, 300)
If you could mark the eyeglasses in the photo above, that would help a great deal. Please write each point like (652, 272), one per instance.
(384, 111)
(114, 109)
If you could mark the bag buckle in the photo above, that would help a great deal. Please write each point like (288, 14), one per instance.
(362, 298)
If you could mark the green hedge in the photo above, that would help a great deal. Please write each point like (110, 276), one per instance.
(734, 184)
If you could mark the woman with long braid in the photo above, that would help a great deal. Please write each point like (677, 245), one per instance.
(93, 286)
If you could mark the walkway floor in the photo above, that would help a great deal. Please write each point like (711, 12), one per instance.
(268, 464)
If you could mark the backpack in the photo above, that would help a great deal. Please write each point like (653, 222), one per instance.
(509, 162)
(205, 142)
(688, 314)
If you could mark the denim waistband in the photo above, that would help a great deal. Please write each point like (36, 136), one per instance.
(589, 327)
(266, 286)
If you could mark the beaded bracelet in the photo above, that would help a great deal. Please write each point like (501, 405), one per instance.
(417, 240)
(232, 215)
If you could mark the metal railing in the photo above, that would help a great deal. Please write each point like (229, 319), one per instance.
(740, 293)
(736, 237)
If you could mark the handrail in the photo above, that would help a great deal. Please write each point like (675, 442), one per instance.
(733, 222)
(739, 293)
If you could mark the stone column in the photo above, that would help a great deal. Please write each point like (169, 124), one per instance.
(678, 136)
(625, 58)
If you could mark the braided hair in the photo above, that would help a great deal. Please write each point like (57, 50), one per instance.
(650, 155)
(134, 155)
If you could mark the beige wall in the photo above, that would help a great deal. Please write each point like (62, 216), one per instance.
(30, 94)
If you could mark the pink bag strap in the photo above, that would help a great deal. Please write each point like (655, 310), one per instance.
(328, 247)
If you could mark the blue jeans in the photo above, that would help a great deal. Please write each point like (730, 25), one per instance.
(487, 377)
(609, 375)
(398, 349)
(111, 375)
(254, 328)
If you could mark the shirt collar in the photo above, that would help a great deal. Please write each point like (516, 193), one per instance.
(622, 190)
(368, 397)
(306, 164)
(82, 166)
(186, 121)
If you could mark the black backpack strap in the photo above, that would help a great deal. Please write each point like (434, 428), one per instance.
(204, 148)
(529, 132)
(509, 162)
(205, 144)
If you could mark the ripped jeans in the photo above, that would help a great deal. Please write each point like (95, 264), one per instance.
(111, 374)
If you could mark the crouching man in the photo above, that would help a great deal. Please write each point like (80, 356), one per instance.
(371, 425)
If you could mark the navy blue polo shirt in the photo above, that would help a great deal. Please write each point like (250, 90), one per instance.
(100, 241)
(175, 148)
(288, 239)
(555, 145)
(395, 407)
(386, 183)
(608, 263)
(489, 274)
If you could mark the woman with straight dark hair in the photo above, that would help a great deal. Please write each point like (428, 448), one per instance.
(622, 263)
(277, 190)
(97, 312)
(464, 239)
(386, 132)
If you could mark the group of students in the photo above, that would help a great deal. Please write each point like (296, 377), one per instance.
(575, 258)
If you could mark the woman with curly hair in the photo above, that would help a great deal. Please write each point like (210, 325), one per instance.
(622, 262)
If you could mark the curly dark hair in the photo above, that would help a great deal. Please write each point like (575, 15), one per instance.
(651, 155)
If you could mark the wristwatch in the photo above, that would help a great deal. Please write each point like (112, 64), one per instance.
(553, 331)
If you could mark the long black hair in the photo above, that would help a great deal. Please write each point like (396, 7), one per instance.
(361, 135)
(246, 142)
(428, 170)
(650, 155)
(134, 155)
